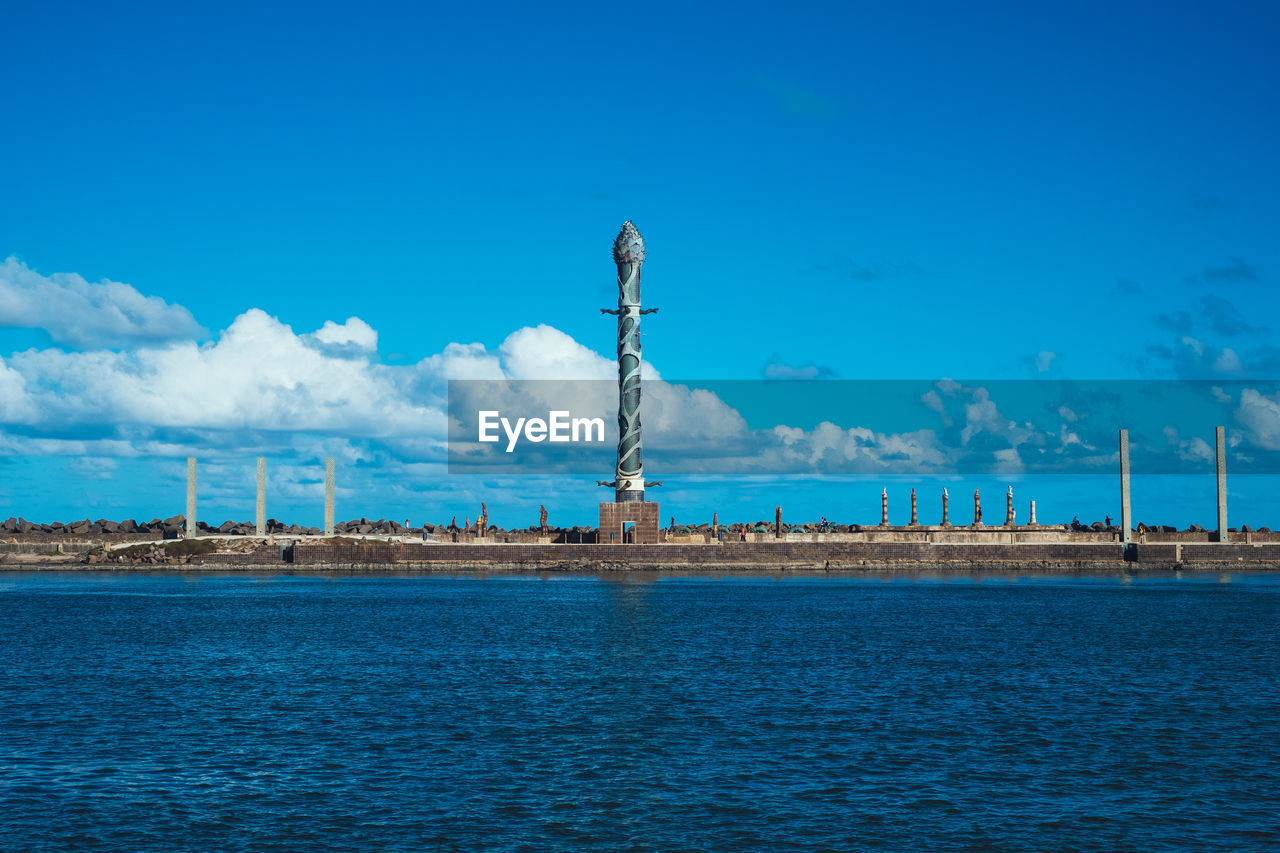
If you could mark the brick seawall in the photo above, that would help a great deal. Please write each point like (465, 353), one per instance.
(755, 556)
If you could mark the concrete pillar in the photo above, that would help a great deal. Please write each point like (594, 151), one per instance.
(1032, 521)
(260, 516)
(191, 497)
(945, 522)
(1220, 437)
(913, 508)
(1126, 511)
(328, 496)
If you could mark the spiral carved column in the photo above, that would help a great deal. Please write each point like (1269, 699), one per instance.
(628, 254)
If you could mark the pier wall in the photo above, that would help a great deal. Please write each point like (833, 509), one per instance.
(373, 554)
(811, 555)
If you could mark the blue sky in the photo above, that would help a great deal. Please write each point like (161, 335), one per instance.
(861, 191)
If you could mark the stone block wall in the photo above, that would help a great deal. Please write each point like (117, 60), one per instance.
(263, 555)
(770, 553)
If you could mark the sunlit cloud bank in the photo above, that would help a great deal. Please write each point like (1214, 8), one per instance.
(137, 381)
(88, 315)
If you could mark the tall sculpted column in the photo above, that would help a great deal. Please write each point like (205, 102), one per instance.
(628, 254)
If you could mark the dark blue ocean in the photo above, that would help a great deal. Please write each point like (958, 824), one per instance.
(250, 713)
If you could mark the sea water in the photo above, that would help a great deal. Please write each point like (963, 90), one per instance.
(264, 713)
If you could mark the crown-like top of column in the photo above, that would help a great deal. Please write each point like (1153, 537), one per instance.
(629, 247)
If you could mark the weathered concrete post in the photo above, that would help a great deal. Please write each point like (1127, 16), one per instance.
(945, 522)
(328, 496)
(191, 497)
(777, 523)
(977, 509)
(913, 508)
(260, 516)
(1220, 436)
(1009, 513)
(1126, 511)
(884, 507)
(1032, 521)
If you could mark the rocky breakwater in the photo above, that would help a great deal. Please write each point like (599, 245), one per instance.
(167, 553)
(156, 528)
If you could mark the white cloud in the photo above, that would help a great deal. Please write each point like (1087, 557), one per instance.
(787, 371)
(261, 387)
(88, 315)
(1260, 416)
(544, 352)
(15, 407)
(352, 339)
(460, 361)
(257, 375)
(776, 368)
(833, 449)
(1195, 450)
(92, 467)
(1228, 362)
(259, 382)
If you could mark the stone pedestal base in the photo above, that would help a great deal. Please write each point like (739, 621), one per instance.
(615, 518)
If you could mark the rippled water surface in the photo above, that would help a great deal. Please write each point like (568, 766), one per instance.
(286, 714)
